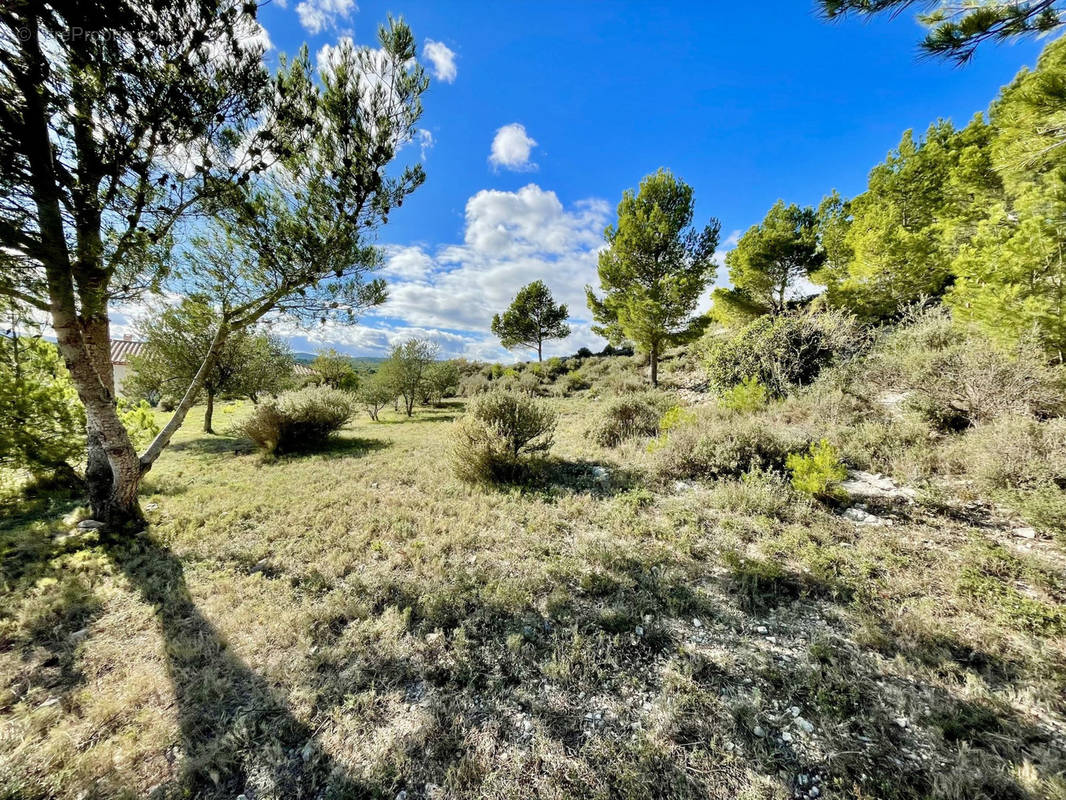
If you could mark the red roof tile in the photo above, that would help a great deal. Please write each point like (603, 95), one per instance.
(123, 349)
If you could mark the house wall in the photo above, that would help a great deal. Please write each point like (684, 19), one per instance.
(121, 372)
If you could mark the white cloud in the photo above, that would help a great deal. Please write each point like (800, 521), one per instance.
(442, 59)
(511, 148)
(327, 55)
(511, 238)
(317, 15)
(425, 142)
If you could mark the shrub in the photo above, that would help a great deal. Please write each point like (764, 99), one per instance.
(817, 472)
(496, 439)
(747, 396)
(139, 421)
(956, 377)
(573, 381)
(475, 384)
(299, 420)
(1014, 452)
(629, 416)
(781, 352)
(713, 447)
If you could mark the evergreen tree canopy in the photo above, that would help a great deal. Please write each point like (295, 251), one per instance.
(532, 318)
(773, 256)
(654, 269)
(957, 29)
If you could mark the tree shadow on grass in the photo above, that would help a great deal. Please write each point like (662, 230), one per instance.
(237, 734)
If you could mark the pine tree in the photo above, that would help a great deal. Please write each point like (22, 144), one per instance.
(654, 269)
(773, 256)
(532, 319)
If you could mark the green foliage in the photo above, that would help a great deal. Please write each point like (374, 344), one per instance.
(956, 30)
(335, 371)
(375, 392)
(654, 269)
(675, 417)
(42, 423)
(896, 234)
(780, 352)
(715, 447)
(178, 340)
(747, 396)
(298, 421)
(629, 416)
(406, 370)
(818, 471)
(441, 380)
(532, 319)
(497, 438)
(955, 376)
(773, 256)
(139, 421)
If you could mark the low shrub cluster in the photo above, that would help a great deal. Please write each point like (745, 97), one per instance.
(956, 377)
(781, 352)
(300, 420)
(630, 416)
(718, 447)
(501, 434)
(818, 471)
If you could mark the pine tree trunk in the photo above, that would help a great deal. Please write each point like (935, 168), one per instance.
(540, 357)
(209, 412)
(655, 365)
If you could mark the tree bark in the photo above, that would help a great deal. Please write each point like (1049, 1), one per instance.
(655, 365)
(540, 357)
(209, 411)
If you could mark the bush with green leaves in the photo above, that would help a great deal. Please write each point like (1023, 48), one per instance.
(720, 447)
(298, 421)
(499, 436)
(628, 417)
(472, 385)
(375, 392)
(42, 422)
(747, 396)
(139, 421)
(817, 472)
(781, 352)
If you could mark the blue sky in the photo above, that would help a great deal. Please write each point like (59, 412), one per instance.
(590, 96)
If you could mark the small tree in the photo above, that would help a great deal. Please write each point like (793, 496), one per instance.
(178, 340)
(376, 392)
(654, 269)
(406, 370)
(112, 140)
(42, 424)
(774, 255)
(335, 370)
(442, 380)
(532, 319)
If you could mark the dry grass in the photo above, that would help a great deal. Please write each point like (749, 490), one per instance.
(357, 623)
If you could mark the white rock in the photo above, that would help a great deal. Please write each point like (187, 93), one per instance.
(1025, 533)
(696, 622)
(804, 725)
(639, 630)
(761, 630)
(91, 525)
(794, 711)
(758, 731)
(901, 721)
(786, 736)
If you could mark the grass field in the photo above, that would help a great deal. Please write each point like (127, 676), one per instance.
(357, 623)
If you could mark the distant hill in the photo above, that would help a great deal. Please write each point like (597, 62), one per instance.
(359, 362)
